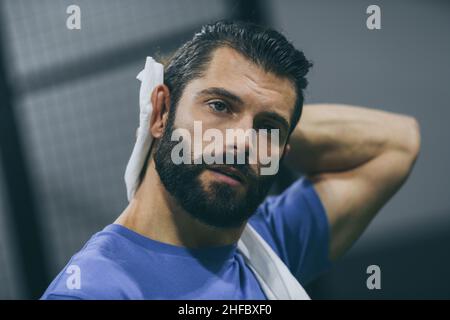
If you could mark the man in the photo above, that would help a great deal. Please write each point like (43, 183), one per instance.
(177, 239)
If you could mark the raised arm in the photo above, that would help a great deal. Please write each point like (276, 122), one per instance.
(357, 159)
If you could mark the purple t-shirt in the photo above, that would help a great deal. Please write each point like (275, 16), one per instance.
(118, 263)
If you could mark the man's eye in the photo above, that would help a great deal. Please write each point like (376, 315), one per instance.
(268, 126)
(218, 106)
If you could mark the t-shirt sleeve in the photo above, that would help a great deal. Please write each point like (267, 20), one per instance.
(99, 277)
(295, 225)
(60, 297)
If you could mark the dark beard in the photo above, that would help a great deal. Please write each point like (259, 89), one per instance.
(221, 205)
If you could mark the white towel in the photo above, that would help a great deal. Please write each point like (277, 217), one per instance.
(150, 77)
(273, 275)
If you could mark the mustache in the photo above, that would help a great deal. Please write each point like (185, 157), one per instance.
(244, 169)
(195, 169)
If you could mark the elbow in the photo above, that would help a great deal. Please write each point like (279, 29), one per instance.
(412, 140)
(415, 138)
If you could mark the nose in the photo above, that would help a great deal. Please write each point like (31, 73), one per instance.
(242, 140)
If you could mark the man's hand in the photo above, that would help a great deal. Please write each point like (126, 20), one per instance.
(357, 159)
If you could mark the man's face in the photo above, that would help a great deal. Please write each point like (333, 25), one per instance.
(234, 93)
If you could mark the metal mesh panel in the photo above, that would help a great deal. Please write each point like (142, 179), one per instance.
(39, 37)
(10, 286)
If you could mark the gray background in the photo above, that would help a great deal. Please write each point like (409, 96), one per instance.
(78, 133)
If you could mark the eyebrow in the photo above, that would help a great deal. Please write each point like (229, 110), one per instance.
(221, 92)
(276, 117)
(218, 91)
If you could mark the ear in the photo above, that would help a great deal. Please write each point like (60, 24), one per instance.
(161, 104)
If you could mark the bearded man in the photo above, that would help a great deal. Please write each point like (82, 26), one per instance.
(179, 236)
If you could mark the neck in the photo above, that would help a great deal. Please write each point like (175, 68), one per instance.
(155, 214)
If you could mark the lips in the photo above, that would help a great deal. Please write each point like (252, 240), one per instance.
(230, 172)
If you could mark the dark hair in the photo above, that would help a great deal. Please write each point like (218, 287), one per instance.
(264, 46)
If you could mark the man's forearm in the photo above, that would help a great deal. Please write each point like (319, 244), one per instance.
(332, 137)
